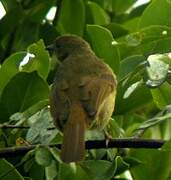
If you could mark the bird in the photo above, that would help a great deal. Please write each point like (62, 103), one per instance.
(82, 95)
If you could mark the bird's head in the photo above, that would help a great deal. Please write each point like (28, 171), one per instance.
(67, 44)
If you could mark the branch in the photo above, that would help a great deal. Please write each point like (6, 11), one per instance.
(97, 144)
(10, 126)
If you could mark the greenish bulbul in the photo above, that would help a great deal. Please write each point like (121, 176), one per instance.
(82, 95)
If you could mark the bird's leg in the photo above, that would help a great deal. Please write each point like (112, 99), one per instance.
(107, 136)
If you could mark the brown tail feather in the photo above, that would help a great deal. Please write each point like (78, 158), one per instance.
(73, 143)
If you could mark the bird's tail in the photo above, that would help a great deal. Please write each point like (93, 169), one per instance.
(73, 146)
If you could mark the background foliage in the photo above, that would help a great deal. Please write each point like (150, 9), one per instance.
(123, 36)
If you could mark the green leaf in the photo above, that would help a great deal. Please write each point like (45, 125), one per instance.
(51, 171)
(96, 14)
(8, 5)
(28, 160)
(167, 146)
(137, 11)
(117, 30)
(30, 111)
(101, 3)
(126, 163)
(138, 99)
(71, 17)
(98, 168)
(153, 33)
(21, 118)
(43, 156)
(120, 7)
(36, 171)
(39, 122)
(132, 24)
(72, 172)
(162, 116)
(154, 121)
(155, 164)
(169, 176)
(38, 10)
(10, 20)
(157, 69)
(141, 97)
(130, 64)
(162, 95)
(40, 61)
(28, 164)
(56, 154)
(10, 68)
(132, 88)
(161, 10)
(8, 171)
(158, 46)
(133, 39)
(114, 129)
(110, 172)
(121, 165)
(26, 34)
(150, 40)
(101, 41)
(24, 90)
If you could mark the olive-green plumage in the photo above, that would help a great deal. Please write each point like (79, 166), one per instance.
(82, 96)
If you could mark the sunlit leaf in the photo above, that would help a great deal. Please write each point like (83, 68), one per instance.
(39, 133)
(40, 60)
(157, 69)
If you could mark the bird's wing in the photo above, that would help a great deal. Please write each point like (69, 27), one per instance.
(60, 103)
(93, 92)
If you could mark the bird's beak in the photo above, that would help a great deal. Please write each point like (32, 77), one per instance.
(50, 47)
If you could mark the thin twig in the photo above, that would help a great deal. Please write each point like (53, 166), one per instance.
(97, 144)
(10, 126)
